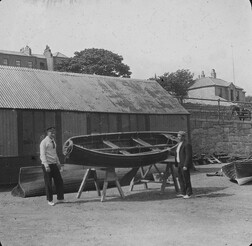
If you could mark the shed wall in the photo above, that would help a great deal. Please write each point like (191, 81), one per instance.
(73, 123)
(32, 125)
(8, 133)
(168, 123)
(21, 131)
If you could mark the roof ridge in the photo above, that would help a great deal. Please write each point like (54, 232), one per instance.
(72, 74)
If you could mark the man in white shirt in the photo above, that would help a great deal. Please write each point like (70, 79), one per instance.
(51, 167)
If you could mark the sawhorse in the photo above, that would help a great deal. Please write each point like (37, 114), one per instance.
(168, 170)
(110, 175)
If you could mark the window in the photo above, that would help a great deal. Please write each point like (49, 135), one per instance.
(42, 65)
(237, 96)
(18, 63)
(220, 95)
(231, 95)
(30, 64)
(5, 61)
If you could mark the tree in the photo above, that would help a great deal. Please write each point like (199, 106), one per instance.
(176, 83)
(95, 61)
(248, 99)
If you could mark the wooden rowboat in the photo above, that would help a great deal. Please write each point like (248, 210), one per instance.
(240, 171)
(119, 150)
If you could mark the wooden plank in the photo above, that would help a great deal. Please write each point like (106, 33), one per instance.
(8, 132)
(39, 129)
(170, 136)
(83, 183)
(129, 148)
(133, 122)
(20, 132)
(112, 118)
(104, 123)
(111, 176)
(114, 146)
(141, 122)
(49, 119)
(73, 124)
(165, 177)
(28, 134)
(147, 122)
(125, 123)
(95, 123)
(58, 127)
(88, 123)
(119, 122)
(140, 141)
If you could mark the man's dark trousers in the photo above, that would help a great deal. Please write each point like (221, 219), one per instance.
(184, 181)
(58, 182)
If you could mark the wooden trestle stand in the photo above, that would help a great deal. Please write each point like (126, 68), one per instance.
(168, 170)
(110, 175)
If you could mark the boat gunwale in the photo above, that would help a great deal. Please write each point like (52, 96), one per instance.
(122, 155)
(120, 133)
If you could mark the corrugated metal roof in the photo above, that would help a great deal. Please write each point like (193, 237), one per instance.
(24, 88)
(208, 81)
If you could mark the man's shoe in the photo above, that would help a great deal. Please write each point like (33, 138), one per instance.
(179, 195)
(51, 203)
(61, 201)
(186, 197)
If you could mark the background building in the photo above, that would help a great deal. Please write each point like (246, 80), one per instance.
(215, 88)
(25, 58)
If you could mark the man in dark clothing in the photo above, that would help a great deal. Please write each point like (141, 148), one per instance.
(183, 160)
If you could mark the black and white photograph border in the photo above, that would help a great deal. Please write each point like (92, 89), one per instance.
(142, 108)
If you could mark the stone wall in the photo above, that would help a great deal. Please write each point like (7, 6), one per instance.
(231, 137)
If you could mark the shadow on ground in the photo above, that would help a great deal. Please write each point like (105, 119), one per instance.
(6, 188)
(206, 169)
(155, 195)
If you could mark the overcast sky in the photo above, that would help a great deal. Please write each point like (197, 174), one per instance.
(153, 36)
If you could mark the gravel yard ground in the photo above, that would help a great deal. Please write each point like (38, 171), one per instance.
(219, 213)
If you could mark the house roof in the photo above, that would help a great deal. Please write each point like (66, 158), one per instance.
(18, 53)
(209, 81)
(24, 88)
(58, 54)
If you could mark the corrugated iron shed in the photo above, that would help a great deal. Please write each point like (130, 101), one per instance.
(23, 88)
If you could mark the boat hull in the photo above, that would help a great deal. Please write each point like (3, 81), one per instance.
(96, 159)
(119, 150)
(240, 171)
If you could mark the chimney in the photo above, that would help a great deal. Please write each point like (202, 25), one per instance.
(202, 74)
(47, 52)
(26, 50)
(49, 58)
(213, 74)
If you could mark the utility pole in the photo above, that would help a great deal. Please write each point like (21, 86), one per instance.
(233, 64)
